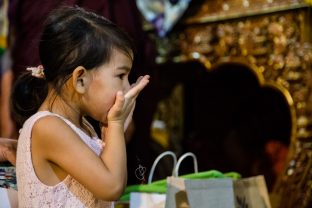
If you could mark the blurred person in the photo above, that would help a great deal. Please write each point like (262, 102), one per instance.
(7, 146)
(5, 74)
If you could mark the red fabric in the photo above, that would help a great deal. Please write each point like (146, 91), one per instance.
(27, 18)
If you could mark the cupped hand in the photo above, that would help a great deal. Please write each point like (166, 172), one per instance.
(124, 104)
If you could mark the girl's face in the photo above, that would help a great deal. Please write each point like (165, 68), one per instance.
(105, 81)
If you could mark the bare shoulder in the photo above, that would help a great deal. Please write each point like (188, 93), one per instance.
(55, 141)
(46, 121)
(50, 126)
(49, 133)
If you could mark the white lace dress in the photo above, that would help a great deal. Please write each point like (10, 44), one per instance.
(33, 193)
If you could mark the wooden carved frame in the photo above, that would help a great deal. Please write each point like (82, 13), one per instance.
(277, 47)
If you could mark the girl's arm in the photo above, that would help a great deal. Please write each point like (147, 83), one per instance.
(116, 119)
(56, 142)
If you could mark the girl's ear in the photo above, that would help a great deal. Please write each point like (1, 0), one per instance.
(80, 79)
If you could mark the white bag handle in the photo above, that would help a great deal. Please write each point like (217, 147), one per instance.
(188, 154)
(158, 159)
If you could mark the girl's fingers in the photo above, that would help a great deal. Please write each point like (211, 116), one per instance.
(137, 81)
(138, 87)
(124, 103)
(120, 100)
(129, 118)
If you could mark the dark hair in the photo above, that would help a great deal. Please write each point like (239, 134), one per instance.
(71, 37)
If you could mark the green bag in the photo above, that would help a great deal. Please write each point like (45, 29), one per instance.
(160, 186)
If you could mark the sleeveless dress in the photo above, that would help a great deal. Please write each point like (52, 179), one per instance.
(33, 193)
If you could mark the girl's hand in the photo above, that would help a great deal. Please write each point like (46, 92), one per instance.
(124, 104)
(129, 118)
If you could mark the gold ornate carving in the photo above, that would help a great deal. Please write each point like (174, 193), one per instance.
(276, 45)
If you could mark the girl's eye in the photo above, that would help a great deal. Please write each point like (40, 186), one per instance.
(121, 76)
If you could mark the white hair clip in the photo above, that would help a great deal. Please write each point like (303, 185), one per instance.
(36, 71)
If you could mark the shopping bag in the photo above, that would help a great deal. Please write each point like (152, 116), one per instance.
(140, 195)
(151, 199)
(147, 200)
(176, 187)
(200, 191)
(252, 191)
(217, 193)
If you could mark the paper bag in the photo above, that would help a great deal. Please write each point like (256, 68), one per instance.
(147, 200)
(156, 198)
(203, 193)
(217, 193)
(151, 200)
(176, 193)
(251, 191)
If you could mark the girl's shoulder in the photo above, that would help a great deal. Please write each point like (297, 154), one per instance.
(49, 127)
(48, 122)
(52, 137)
(48, 130)
(42, 119)
(38, 116)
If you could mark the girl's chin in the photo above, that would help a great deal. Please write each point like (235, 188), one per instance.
(103, 124)
(99, 118)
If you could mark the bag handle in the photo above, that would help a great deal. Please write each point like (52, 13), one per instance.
(188, 154)
(157, 160)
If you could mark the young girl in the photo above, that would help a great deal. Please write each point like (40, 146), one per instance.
(86, 61)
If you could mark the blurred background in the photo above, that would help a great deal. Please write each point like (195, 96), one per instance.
(230, 82)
